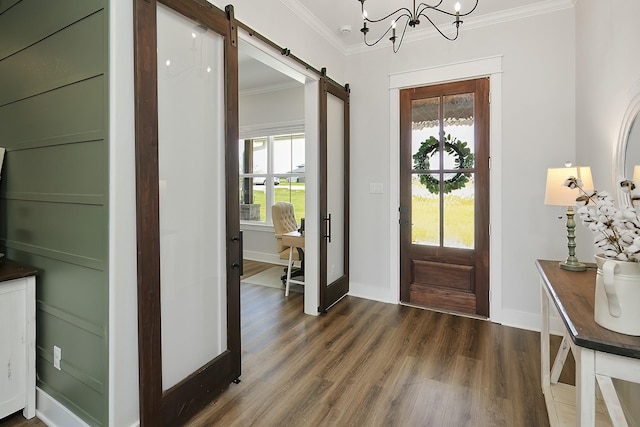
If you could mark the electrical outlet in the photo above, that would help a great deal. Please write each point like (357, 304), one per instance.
(57, 356)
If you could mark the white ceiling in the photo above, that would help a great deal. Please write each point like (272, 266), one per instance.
(328, 16)
(256, 76)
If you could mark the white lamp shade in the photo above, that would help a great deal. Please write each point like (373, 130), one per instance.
(557, 193)
(636, 174)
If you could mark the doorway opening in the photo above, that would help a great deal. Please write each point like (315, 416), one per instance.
(277, 146)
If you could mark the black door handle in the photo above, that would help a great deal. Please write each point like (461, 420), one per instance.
(239, 265)
(328, 225)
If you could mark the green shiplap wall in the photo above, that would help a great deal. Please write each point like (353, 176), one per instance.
(54, 185)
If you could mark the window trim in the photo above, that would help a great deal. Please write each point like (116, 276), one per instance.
(270, 175)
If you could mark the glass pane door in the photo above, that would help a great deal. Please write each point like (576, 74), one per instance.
(335, 187)
(334, 193)
(192, 195)
(443, 178)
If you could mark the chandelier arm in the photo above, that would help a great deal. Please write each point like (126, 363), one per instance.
(409, 12)
(471, 11)
(425, 6)
(430, 6)
(440, 31)
(377, 41)
(405, 15)
(395, 50)
(387, 32)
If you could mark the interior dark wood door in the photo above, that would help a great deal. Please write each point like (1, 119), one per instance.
(334, 193)
(444, 196)
(189, 242)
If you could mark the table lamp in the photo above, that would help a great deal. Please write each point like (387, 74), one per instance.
(558, 194)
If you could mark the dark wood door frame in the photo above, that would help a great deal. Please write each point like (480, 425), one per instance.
(330, 293)
(176, 405)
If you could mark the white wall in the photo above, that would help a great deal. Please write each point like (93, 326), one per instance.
(123, 306)
(264, 111)
(607, 78)
(537, 133)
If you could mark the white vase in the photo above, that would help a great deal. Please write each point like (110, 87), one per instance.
(617, 301)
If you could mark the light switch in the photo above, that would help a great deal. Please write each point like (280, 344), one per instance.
(376, 188)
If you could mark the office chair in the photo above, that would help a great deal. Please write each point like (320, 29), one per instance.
(284, 221)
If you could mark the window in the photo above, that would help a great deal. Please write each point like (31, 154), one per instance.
(271, 170)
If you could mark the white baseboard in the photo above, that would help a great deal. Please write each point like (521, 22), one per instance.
(54, 414)
(529, 321)
(367, 292)
(264, 257)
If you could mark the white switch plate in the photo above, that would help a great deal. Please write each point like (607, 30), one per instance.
(376, 188)
(57, 356)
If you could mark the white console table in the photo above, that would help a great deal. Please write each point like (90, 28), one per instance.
(600, 354)
(17, 339)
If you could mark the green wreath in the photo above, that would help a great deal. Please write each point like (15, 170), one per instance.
(463, 160)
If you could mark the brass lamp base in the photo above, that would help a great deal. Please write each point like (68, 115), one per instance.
(573, 266)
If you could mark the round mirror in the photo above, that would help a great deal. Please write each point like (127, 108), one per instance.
(632, 153)
(628, 149)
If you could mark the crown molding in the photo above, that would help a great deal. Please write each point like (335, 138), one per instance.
(318, 26)
(271, 88)
(508, 15)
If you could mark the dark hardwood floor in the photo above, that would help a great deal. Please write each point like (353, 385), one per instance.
(367, 363)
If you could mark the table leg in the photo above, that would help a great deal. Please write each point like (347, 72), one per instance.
(545, 354)
(561, 357)
(286, 290)
(585, 387)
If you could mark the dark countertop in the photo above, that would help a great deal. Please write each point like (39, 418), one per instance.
(573, 294)
(10, 270)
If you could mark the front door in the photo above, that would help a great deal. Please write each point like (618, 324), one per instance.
(189, 243)
(444, 197)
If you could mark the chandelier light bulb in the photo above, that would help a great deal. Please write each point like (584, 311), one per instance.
(364, 14)
(457, 7)
(393, 24)
(193, 35)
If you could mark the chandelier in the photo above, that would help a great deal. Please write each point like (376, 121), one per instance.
(411, 19)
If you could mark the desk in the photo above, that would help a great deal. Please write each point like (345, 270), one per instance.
(600, 354)
(293, 239)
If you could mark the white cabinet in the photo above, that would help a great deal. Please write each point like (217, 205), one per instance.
(17, 339)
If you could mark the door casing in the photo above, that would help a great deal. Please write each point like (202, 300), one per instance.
(483, 67)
